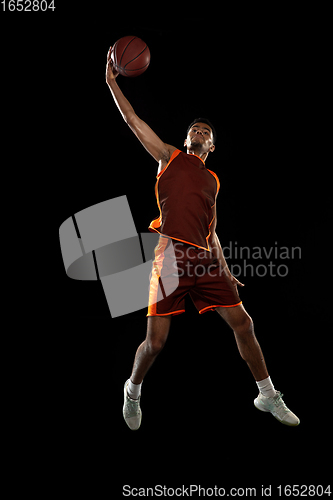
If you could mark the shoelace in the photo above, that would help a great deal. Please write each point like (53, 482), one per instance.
(132, 407)
(280, 404)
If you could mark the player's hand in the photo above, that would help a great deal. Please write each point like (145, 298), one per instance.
(235, 281)
(232, 278)
(111, 73)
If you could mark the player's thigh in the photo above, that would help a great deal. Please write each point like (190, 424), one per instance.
(158, 329)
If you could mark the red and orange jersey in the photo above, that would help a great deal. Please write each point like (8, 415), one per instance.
(186, 193)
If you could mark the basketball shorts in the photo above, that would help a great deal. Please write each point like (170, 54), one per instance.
(180, 269)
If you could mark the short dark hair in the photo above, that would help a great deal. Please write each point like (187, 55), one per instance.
(203, 120)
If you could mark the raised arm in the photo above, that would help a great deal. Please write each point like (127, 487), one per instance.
(153, 144)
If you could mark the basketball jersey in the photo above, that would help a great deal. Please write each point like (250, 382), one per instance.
(186, 193)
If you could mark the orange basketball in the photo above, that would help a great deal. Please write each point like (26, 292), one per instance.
(130, 56)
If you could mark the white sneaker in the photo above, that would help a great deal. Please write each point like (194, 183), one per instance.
(131, 410)
(277, 408)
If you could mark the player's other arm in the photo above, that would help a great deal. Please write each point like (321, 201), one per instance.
(218, 252)
(153, 144)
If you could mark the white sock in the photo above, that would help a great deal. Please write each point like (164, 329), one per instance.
(133, 390)
(266, 387)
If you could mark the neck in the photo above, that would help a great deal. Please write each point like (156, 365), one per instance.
(194, 151)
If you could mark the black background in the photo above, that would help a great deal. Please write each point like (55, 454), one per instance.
(258, 83)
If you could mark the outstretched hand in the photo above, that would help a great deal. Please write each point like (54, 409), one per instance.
(111, 73)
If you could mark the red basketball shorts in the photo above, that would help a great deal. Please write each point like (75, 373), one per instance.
(180, 269)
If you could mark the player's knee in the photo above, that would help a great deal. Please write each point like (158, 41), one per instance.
(155, 345)
(245, 327)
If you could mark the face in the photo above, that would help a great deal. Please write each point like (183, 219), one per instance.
(200, 136)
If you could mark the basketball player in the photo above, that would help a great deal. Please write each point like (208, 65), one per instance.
(186, 194)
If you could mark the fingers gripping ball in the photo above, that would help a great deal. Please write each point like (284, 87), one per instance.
(130, 56)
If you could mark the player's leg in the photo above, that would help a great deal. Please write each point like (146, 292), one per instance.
(268, 400)
(249, 348)
(157, 334)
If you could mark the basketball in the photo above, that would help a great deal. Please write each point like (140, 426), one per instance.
(130, 56)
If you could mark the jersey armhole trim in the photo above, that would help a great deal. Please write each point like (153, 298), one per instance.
(217, 180)
(172, 157)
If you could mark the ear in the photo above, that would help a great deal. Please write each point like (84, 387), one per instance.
(212, 148)
(185, 142)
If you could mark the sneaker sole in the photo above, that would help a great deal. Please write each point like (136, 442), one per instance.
(281, 421)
